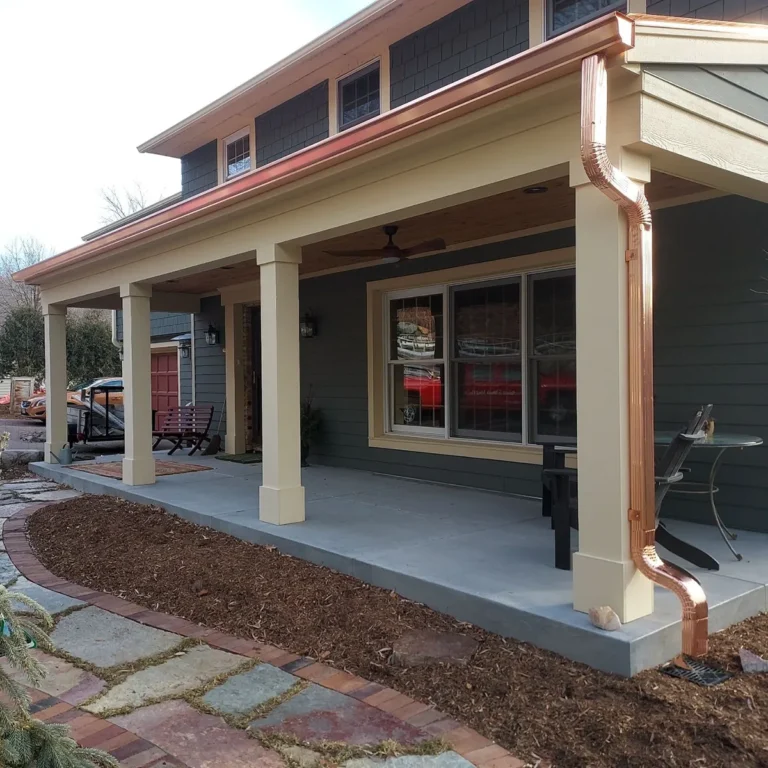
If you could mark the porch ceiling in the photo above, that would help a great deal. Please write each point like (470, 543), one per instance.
(490, 218)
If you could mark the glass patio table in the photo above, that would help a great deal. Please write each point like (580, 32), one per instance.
(720, 443)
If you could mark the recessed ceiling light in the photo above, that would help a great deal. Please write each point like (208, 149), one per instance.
(227, 267)
(539, 190)
(171, 281)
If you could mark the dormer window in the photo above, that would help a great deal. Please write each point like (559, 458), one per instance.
(237, 153)
(563, 15)
(359, 98)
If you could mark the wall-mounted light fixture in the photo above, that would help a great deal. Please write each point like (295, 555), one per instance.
(185, 348)
(308, 326)
(212, 336)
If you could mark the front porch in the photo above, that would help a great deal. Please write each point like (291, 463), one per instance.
(484, 557)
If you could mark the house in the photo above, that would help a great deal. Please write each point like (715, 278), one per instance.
(415, 217)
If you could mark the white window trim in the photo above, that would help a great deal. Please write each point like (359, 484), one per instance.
(249, 131)
(333, 90)
(380, 435)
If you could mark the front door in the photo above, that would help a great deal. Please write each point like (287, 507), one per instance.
(256, 375)
(165, 381)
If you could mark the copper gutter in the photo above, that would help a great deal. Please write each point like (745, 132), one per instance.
(642, 513)
(611, 35)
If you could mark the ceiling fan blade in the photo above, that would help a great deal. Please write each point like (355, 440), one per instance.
(362, 254)
(438, 244)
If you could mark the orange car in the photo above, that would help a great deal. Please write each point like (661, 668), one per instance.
(35, 406)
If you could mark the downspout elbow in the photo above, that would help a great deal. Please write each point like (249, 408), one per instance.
(631, 198)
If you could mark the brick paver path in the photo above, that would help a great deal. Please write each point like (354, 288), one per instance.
(156, 690)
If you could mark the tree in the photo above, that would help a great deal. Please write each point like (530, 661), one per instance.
(22, 343)
(90, 352)
(24, 740)
(18, 254)
(121, 203)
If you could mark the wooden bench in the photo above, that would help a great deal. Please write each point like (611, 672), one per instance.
(187, 422)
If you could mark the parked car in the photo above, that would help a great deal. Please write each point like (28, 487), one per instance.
(77, 397)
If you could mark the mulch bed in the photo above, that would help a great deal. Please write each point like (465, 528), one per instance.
(533, 702)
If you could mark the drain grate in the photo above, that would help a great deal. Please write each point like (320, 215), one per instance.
(696, 671)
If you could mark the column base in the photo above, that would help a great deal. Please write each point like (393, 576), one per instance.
(599, 582)
(234, 443)
(281, 506)
(139, 471)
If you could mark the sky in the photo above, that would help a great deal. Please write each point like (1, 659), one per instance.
(84, 82)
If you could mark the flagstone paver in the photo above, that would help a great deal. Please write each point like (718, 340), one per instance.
(28, 486)
(49, 495)
(201, 741)
(318, 714)
(443, 760)
(53, 602)
(10, 508)
(8, 571)
(105, 640)
(242, 693)
(171, 678)
(62, 679)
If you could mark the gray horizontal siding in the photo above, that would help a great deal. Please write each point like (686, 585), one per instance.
(334, 368)
(471, 38)
(711, 344)
(743, 89)
(292, 125)
(163, 325)
(754, 11)
(210, 366)
(199, 170)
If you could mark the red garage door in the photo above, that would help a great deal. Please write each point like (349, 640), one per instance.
(165, 381)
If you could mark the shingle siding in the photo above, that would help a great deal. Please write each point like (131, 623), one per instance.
(293, 125)
(471, 38)
(163, 325)
(755, 11)
(210, 366)
(199, 170)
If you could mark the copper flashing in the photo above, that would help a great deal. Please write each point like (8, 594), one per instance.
(610, 36)
(642, 513)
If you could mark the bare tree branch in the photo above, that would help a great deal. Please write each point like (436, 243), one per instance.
(119, 203)
(18, 254)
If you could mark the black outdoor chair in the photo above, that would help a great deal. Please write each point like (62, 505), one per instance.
(562, 484)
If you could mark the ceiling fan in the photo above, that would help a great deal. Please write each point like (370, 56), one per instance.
(391, 253)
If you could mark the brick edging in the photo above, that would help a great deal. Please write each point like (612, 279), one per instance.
(467, 742)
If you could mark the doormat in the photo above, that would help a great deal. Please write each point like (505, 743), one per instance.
(162, 468)
(241, 458)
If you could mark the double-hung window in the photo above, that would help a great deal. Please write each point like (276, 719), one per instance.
(237, 153)
(486, 360)
(359, 96)
(563, 15)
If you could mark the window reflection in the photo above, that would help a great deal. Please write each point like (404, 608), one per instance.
(418, 394)
(416, 325)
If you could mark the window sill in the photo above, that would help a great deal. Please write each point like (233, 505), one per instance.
(475, 449)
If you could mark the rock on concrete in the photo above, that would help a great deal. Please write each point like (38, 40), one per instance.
(171, 678)
(8, 571)
(243, 693)
(605, 618)
(425, 646)
(318, 714)
(105, 640)
(200, 741)
(53, 602)
(443, 760)
(62, 679)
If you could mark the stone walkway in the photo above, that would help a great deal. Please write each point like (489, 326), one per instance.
(156, 690)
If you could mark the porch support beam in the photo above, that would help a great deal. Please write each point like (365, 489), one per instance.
(233, 350)
(603, 570)
(55, 379)
(281, 496)
(139, 463)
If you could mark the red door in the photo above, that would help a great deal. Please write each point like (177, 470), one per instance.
(165, 381)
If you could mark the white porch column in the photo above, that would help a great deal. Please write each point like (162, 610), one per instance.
(233, 349)
(281, 496)
(603, 570)
(55, 379)
(139, 463)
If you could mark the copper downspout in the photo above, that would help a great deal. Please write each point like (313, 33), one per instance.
(642, 513)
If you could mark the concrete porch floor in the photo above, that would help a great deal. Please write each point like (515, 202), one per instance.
(482, 557)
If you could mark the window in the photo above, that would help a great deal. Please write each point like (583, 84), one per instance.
(359, 96)
(237, 153)
(491, 360)
(563, 15)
